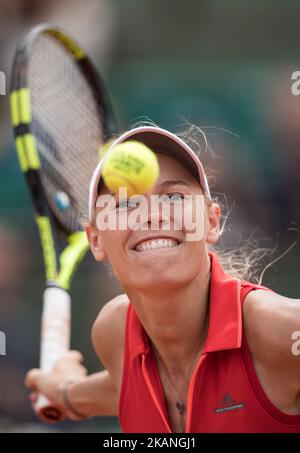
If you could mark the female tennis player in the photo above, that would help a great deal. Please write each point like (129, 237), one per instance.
(188, 347)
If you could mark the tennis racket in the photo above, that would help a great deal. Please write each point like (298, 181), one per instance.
(61, 115)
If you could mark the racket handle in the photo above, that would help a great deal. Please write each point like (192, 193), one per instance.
(55, 340)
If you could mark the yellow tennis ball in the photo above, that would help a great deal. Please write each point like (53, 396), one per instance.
(132, 165)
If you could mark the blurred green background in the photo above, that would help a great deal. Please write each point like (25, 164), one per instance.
(223, 65)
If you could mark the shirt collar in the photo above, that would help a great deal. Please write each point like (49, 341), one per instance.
(225, 316)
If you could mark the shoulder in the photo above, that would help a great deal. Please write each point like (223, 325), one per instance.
(111, 320)
(108, 332)
(115, 309)
(271, 321)
(272, 326)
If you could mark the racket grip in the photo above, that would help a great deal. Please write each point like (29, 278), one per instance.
(55, 340)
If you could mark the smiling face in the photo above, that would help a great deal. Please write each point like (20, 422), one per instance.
(142, 258)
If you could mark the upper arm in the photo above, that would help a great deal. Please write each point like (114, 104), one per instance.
(108, 334)
(270, 322)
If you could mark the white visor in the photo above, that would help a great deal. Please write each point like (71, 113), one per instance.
(159, 140)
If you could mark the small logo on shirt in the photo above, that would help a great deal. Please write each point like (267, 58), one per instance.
(228, 404)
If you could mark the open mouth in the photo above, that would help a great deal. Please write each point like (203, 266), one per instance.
(157, 243)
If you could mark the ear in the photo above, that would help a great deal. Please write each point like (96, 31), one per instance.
(213, 232)
(95, 242)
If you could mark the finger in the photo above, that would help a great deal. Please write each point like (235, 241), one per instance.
(67, 360)
(33, 397)
(31, 378)
(84, 371)
(39, 380)
(70, 356)
(75, 355)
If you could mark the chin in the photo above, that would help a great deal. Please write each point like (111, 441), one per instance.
(160, 279)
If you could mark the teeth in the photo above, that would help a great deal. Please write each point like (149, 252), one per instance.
(156, 244)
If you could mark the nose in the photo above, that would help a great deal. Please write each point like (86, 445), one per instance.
(157, 213)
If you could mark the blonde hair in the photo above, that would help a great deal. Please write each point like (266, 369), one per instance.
(250, 259)
(246, 260)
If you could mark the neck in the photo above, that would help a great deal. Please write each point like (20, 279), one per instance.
(176, 320)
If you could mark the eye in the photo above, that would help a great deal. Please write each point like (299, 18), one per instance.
(126, 204)
(176, 196)
(122, 204)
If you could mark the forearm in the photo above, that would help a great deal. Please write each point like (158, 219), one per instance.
(94, 395)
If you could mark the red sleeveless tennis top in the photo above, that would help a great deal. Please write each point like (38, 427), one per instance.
(224, 392)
